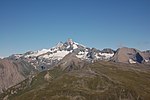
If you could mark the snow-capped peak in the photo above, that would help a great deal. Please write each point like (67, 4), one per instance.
(70, 42)
(58, 45)
(74, 45)
(53, 55)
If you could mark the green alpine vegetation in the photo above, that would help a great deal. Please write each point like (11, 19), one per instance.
(96, 81)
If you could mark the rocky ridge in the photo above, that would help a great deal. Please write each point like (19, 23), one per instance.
(50, 57)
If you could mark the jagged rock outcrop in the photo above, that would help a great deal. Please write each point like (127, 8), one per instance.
(108, 50)
(13, 72)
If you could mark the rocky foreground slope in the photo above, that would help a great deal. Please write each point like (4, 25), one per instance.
(95, 81)
(13, 72)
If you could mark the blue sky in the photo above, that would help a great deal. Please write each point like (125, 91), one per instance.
(35, 24)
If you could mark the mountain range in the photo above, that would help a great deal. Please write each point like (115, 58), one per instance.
(50, 57)
(95, 71)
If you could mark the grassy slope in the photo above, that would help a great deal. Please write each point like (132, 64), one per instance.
(97, 81)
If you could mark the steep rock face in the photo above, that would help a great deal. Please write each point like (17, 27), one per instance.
(12, 72)
(146, 55)
(128, 55)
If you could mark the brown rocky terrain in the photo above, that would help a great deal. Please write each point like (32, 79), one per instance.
(13, 72)
(101, 80)
(71, 62)
(128, 55)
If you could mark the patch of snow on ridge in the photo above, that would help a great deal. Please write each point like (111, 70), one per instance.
(42, 51)
(75, 46)
(60, 44)
(57, 55)
(82, 55)
(131, 61)
(61, 54)
(79, 44)
(97, 57)
(39, 52)
(107, 55)
(146, 60)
